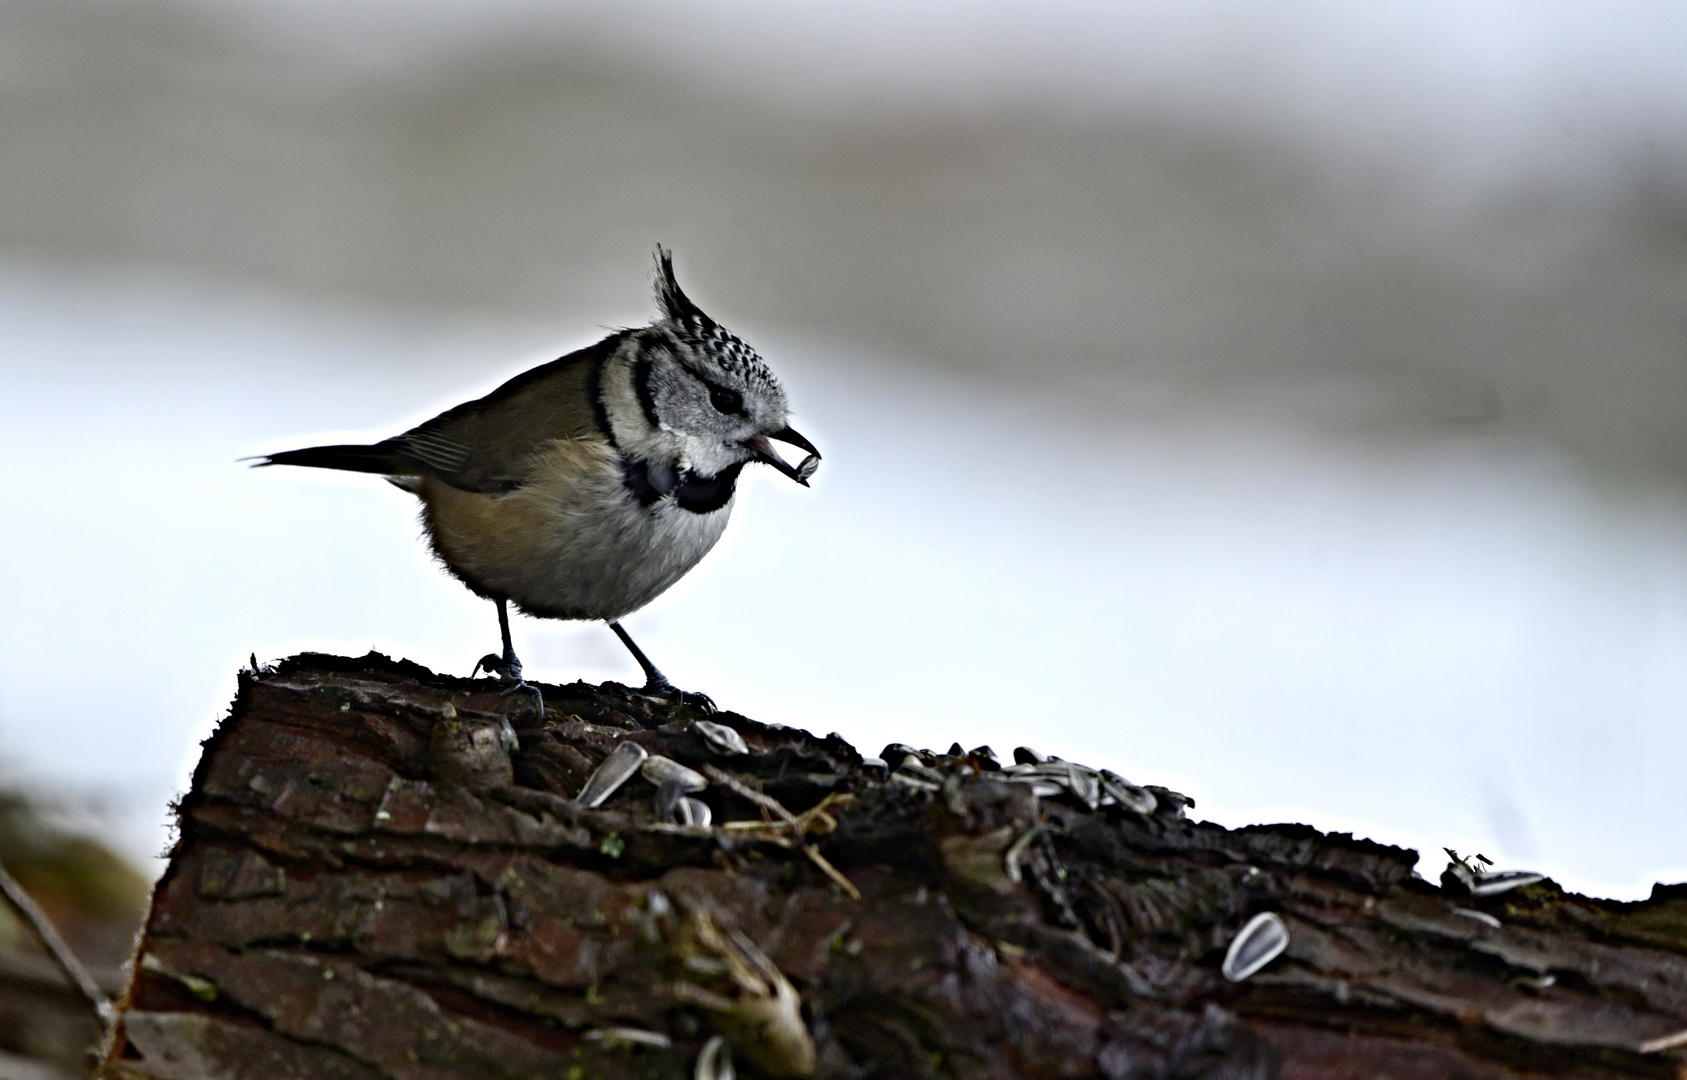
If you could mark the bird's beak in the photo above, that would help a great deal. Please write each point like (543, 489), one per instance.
(763, 451)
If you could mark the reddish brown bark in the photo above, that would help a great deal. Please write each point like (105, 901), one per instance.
(364, 888)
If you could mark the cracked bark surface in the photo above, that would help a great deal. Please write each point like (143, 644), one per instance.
(366, 886)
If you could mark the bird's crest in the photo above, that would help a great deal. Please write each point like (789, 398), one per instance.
(670, 297)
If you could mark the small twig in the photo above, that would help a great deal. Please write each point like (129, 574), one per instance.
(77, 975)
(1667, 1042)
(766, 802)
(832, 872)
(788, 821)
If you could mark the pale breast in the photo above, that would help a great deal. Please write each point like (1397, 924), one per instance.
(571, 542)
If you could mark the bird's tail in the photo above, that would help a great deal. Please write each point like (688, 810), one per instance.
(379, 458)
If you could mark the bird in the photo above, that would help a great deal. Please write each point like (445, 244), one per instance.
(583, 488)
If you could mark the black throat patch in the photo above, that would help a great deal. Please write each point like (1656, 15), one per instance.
(650, 483)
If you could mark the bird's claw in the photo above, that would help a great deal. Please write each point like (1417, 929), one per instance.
(672, 694)
(507, 668)
(526, 687)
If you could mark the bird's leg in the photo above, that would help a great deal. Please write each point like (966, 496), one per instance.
(508, 666)
(657, 683)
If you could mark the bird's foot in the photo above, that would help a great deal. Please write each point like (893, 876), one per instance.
(519, 687)
(507, 668)
(667, 691)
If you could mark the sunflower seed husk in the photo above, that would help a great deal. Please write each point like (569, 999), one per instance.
(668, 795)
(1085, 784)
(693, 812)
(615, 770)
(923, 772)
(628, 1036)
(1169, 803)
(912, 773)
(721, 739)
(1499, 881)
(1664, 1042)
(1016, 851)
(659, 770)
(1043, 787)
(1128, 795)
(1259, 943)
(895, 753)
(1479, 916)
(1053, 768)
(714, 1062)
(909, 781)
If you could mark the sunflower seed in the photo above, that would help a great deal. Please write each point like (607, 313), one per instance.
(721, 739)
(1016, 852)
(1041, 786)
(1664, 1042)
(1259, 943)
(659, 770)
(668, 795)
(985, 757)
(1479, 916)
(909, 781)
(1456, 878)
(715, 1061)
(1024, 755)
(1053, 769)
(1170, 803)
(895, 753)
(611, 773)
(921, 772)
(875, 765)
(1136, 799)
(1085, 784)
(627, 1036)
(807, 468)
(912, 773)
(1499, 881)
(693, 812)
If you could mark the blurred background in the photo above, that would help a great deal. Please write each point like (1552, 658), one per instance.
(1281, 402)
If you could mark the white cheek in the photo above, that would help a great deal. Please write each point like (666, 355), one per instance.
(706, 457)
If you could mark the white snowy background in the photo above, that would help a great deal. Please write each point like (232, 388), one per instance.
(1282, 402)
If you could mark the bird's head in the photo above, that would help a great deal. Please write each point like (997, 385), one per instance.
(705, 387)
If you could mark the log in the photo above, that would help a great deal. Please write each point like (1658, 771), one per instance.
(369, 884)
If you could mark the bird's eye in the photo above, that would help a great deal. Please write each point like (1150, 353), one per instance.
(730, 402)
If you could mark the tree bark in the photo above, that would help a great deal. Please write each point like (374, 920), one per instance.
(367, 885)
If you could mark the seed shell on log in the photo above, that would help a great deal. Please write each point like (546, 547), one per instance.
(720, 738)
(660, 770)
(1499, 881)
(714, 1062)
(615, 770)
(694, 812)
(1126, 794)
(1259, 943)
